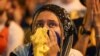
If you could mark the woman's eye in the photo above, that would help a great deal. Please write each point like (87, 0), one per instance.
(51, 25)
(39, 25)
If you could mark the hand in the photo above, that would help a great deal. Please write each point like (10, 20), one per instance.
(40, 39)
(96, 12)
(89, 16)
(52, 43)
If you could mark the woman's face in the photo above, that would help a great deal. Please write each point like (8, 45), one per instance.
(48, 20)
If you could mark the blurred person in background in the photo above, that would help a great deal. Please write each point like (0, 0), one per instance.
(91, 49)
(16, 34)
(91, 21)
(30, 8)
(3, 27)
(11, 35)
(27, 25)
(18, 7)
(43, 2)
(69, 5)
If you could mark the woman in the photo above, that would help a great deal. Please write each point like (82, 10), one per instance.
(54, 19)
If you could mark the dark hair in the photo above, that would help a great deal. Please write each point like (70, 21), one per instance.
(21, 2)
(8, 19)
(83, 2)
(27, 14)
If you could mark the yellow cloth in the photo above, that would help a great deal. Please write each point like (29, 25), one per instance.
(92, 38)
(40, 39)
(74, 15)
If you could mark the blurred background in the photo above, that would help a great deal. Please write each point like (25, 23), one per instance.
(19, 16)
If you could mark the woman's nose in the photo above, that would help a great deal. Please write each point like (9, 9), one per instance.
(46, 26)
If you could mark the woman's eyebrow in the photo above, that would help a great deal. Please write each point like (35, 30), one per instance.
(51, 21)
(40, 21)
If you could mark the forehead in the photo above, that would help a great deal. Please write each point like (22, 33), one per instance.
(4, 0)
(47, 15)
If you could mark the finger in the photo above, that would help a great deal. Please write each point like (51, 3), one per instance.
(48, 40)
(97, 5)
(55, 45)
(99, 2)
(88, 4)
(54, 42)
(54, 34)
(94, 6)
(51, 36)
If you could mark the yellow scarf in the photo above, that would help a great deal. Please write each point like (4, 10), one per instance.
(40, 39)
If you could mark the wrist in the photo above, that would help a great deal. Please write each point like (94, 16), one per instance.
(83, 31)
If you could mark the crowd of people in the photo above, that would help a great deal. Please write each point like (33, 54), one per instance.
(70, 27)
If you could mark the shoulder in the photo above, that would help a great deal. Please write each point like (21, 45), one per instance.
(74, 52)
(15, 29)
(22, 50)
(14, 25)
